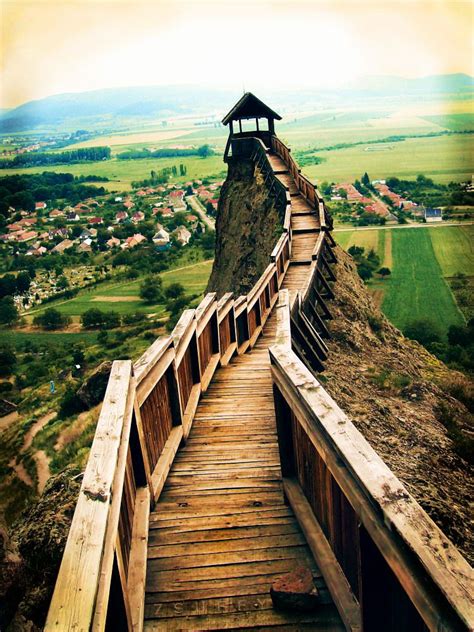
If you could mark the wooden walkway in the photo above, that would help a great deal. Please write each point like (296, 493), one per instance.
(221, 531)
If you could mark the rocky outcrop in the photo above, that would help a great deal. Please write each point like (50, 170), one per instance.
(92, 391)
(30, 564)
(247, 229)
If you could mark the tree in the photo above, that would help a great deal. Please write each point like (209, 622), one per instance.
(51, 319)
(150, 289)
(62, 283)
(8, 311)
(23, 282)
(365, 179)
(7, 360)
(356, 251)
(461, 336)
(365, 271)
(424, 331)
(173, 291)
(384, 272)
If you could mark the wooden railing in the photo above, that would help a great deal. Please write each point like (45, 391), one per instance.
(148, 411)
(305, 186)
(387, 565)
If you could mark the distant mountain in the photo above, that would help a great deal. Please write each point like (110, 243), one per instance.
(111, 106)
(116, 108)
(433, 84)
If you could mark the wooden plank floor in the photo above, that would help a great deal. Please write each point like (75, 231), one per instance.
(221, 532)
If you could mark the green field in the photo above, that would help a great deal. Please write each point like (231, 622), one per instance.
(420, 259)
(124, 297)
(444, 159)
(122, 173)
(16, 338)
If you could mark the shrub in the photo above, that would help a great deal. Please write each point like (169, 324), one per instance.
(424, 331)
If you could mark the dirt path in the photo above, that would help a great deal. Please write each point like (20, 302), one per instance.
(40, 457)
(21, 472)
(35, 428)
(7, 420)
(42, 461)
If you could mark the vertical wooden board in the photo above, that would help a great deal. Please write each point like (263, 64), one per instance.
(72, 605)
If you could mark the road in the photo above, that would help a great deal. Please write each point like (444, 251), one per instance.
(199, 209)
(428, 225)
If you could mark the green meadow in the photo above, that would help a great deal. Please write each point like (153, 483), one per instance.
(420, 260)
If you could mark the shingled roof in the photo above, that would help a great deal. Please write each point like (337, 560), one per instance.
(248, 106)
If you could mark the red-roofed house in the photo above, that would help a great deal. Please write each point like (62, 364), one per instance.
(39, 206)
(139, 216)
(96, 220)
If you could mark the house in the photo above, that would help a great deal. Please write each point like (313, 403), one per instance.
(182, 235)
(36, 251)
(113, 242)
(138, 217)
(27, 222)
(433, 215)
(39, 206)
(63, 245)
(161, 238)
(55, 213)
(129, 204)
(121, 216)
(72, 217)
(192, 219)
(133, 241)
(27, 235)
(86, 234)
(82, 209)
(13, 228)
(156, 209)
(176, 200)
(85, 246)
(166, 212)
(118, 199)
(141, 193)
(96, 221)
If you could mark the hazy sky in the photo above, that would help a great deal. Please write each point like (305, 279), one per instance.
(55, 46)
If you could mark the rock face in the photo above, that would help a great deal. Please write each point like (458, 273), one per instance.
(29, 571)
(92, 391)
(295, 591)
(247, 228)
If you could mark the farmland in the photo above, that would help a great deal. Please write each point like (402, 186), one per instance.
(420, 259)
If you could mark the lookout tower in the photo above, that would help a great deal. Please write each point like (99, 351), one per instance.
(250, 118)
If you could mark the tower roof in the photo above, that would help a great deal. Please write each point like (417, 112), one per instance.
(248, 106)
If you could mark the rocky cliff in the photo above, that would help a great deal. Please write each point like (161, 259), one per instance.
(248, 226)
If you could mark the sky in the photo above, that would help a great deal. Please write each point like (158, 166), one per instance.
(56, 46)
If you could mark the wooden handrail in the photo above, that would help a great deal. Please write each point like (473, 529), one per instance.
(147, 412)
(428, 580)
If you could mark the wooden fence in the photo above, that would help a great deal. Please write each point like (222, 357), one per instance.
(387, 565)
(148, 411)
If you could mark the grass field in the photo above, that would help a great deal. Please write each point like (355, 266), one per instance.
(124, 297)
(444, 159)
(417, 287)
(419, 258)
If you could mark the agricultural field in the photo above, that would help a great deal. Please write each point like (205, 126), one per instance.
(421, 260)
(442, 158)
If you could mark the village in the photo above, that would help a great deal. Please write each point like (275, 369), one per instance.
(95, 229)
(364, 203)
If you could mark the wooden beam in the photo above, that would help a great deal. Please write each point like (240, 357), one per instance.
(333, 574)
(138, 557)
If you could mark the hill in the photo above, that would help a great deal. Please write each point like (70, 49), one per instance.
(113, 108)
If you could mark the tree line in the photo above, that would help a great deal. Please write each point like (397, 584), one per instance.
(22, 191)
(169, 152)
(34, 159)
